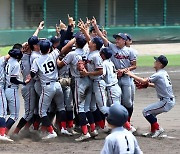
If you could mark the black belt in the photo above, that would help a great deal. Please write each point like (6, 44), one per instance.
(164, 98)
(9, 86)
(48, 83)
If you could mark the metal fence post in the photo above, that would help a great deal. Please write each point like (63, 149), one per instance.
(44, 13)
(135, 13)
(165, 13)
(12, 14)
(76, 10)
(106, 13)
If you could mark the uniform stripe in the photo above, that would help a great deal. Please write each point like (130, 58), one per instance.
(111, 96)
(101, 92)
(42, 102)
(157, 108)
(29, 104)
(76, 93)
(15, 118)
(2, 103)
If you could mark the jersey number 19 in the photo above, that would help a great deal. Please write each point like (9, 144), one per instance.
(49, 67)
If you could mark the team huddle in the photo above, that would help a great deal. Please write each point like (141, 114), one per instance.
(80, 79)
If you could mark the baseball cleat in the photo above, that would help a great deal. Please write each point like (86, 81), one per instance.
(5, 138)
(94, 133)
(148, 134)
(83, 137)
(72, 131)
(50, 135)
(158, 133)
(65, 132)
(132, 129)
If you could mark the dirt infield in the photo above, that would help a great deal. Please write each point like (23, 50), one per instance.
(65, 145)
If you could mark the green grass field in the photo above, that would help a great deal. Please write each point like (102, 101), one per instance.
(174, 60)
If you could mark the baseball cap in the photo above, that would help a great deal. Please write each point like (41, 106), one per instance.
(55, 39)
(80, 39)
(162, 59)
(98, 41)
(107, 52)
(15, 53)
(129, 37)
(118, 115)
(92, 28)
(33, 40)
(123, 36)
(45, 45)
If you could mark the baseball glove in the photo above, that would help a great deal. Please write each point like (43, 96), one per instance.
(81, 65)
(65, 81)
(140, 85)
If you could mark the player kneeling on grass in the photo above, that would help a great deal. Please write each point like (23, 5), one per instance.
(120, 141)
(46, 68)
(162, 83)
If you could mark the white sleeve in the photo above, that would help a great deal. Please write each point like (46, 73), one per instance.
(132, 56)
(34, 66)
(55, 53)
(104, 69)
(153, 78)
(98, 62)
(68, 58)
(137, 149)
(15, 70)
(2, 61)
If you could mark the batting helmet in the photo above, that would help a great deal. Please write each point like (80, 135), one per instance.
(118, 115)
(15, 53)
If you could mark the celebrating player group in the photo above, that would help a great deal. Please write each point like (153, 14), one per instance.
(79, 80)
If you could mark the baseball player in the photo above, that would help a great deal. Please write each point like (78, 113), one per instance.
(82, 87)
(110, 77)
(3, 102)
(123, 59)
(46, 69)
(27, 91)
(11, 90)
(120, 141)
(133, 88)
(162, 83)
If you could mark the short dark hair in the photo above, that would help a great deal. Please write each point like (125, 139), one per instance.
(17, 46)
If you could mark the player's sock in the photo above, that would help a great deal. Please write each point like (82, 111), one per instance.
(51, 116)
(9, 124)
(63, 125)
(90, 118)
(130, 111)
(127, 125)
(2, 126)
(154, 127)
(36, 122)
(101, 124)
(84, 129)
(43, 128)
(70, 124)
(50, 129)
(83, 122)
(153, 121)
(61, 116)
(69, 118)
(20, 125)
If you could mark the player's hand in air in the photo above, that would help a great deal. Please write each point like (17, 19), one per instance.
(57, 30)
(71, 21)
(93, 21)
(62, 25)
(41, 25)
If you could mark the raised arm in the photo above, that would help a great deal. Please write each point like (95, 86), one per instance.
(40, 27)
(100, 34)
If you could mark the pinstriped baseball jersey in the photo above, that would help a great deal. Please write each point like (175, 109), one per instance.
(12, 70)
(46, 67)
(162, 83)
(121, 57)
(34, 55)
(2, 74)
(26, 67)
(94, 61)
(109, 73)
(72, 59)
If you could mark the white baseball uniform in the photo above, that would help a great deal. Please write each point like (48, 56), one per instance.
(121, 141)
